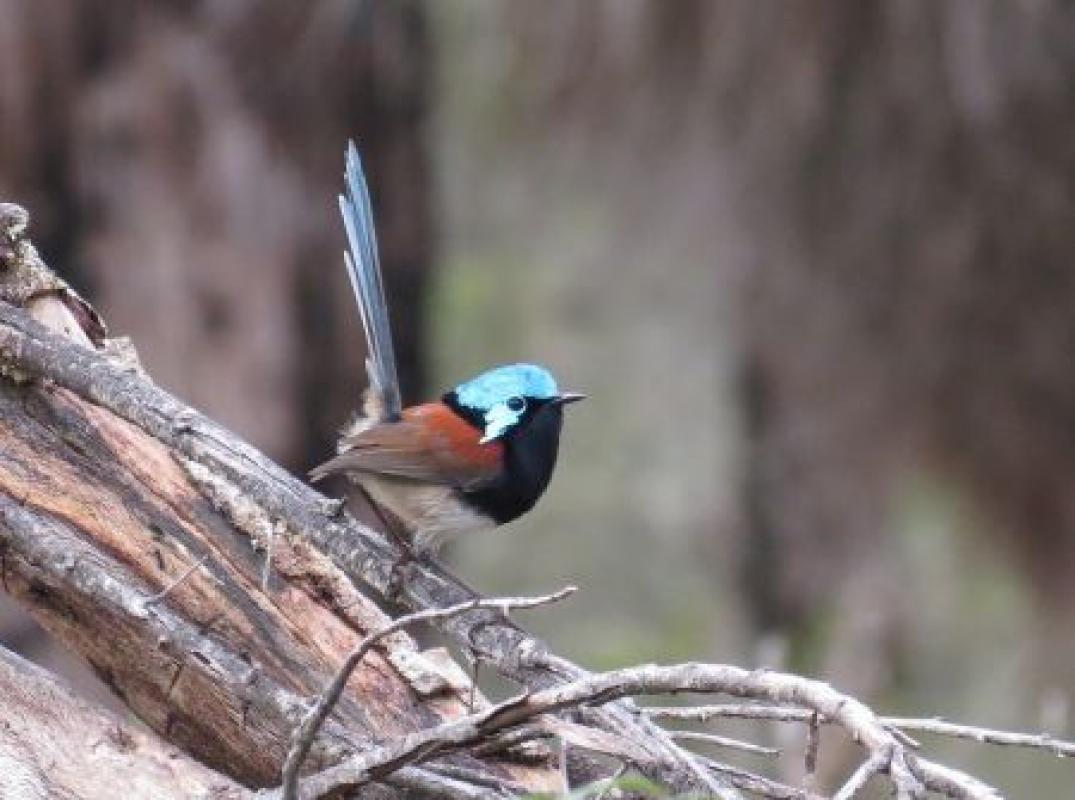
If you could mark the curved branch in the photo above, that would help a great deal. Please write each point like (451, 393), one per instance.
(910, 776)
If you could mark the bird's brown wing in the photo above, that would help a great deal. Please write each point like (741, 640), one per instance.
(431, 444)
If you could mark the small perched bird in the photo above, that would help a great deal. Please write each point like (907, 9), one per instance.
(480, 456)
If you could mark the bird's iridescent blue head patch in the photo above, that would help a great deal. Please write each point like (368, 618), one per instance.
(501, 395)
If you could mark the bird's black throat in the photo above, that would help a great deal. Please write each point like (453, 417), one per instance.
(530, 449)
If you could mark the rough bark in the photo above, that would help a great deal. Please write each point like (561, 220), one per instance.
(56, 746)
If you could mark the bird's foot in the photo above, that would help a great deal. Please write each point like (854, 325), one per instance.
(402, 568)
(398, 576)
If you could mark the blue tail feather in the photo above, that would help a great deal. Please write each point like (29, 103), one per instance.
(364, 270)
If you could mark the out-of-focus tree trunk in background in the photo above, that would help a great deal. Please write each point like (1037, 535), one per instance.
(901, 176)
(181, 163)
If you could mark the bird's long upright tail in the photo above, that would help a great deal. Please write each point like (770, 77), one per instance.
(364, 270)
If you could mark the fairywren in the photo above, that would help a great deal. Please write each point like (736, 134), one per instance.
(480, 456)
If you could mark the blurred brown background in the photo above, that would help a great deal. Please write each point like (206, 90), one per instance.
(811, 261)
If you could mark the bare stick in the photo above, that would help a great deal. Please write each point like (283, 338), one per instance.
(872, 766)
(940, 727)
(723, 741)
(475, 777)
(760, 785)
(1041, 741)
(610, 782)
(306, 732)
(951, 782)
(813, 744)
(171, 587)
(730, 711)
(512, 739)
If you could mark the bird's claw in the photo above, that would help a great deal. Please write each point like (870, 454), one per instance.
(400, 571)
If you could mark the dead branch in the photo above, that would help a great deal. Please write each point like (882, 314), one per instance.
(940, 727)
(874, 765)
(724, 741)
(760, 785)
(934, 725)
(887, 754)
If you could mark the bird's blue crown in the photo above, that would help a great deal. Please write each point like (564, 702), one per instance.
(499, 396)
(498, 385)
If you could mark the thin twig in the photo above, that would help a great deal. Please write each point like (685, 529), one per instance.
(457, 772)
(874, 765)
(724, 741)
(304, 734)
(472, 693)
(431, 784)
(1041, 741)
(899, 725)
(813, 745)
(171, 587)
(610, 782)
(513, 739)
(731, 711)
(951, 782)
(760, 785)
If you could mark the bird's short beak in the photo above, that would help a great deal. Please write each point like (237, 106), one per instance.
(569, 397)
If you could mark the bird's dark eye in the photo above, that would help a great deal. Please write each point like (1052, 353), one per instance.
(516, 403)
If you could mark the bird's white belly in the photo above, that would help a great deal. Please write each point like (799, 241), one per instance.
(432, 515)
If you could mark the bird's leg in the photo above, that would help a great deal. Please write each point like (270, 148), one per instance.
(400, 570)
(393, 530)
(397, 577)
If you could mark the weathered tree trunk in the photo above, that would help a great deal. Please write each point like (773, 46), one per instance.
(181, 162)
(56, 745)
